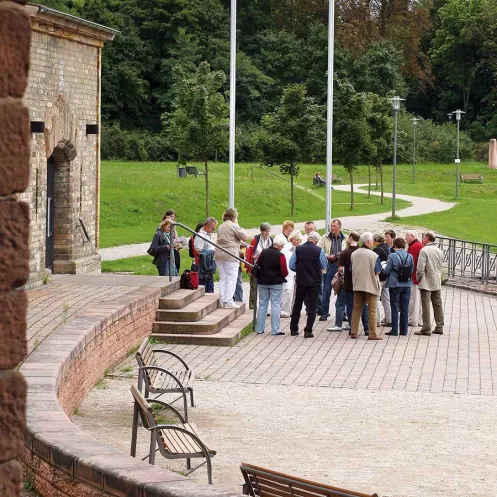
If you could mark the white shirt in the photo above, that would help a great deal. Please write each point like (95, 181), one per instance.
(201, 245)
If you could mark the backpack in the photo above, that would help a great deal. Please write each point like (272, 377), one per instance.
(189, 280)
(191, 247)
(404, 273)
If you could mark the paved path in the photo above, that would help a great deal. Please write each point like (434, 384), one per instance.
(373, 222)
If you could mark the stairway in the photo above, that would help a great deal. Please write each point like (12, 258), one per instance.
(194, 317)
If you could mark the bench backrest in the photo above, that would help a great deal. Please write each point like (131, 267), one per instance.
(268, 483)
(145, 356)
(191, 170)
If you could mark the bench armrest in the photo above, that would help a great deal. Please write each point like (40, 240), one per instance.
(168, 352)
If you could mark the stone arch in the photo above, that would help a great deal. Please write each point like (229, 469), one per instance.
(60, 125)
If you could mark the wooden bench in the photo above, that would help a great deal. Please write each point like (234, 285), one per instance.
(263, 482)
(173, 441)
(195, 171)
(470, 178)
(159, 379)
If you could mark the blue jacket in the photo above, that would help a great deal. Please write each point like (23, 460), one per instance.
(392, 268)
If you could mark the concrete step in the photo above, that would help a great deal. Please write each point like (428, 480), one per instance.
(227, 337)
(180, 298)
(191, 312)
(208, 325)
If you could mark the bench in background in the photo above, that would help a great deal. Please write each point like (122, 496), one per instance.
(195, 171)
(471, 178)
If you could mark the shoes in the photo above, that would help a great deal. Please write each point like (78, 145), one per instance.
(421, 332)
(384, 323)
(230, 305)
(354, 337)
(323, 318)
(334, 328)
(375, 338)
(438, 332)
(294, 333)
(346, 326)
(392, 334)
(260, 333)
(284, 315)
(308, 334)
(366, 333)
(277, 334)
(403, 334)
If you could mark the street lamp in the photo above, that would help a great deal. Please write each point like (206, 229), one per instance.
(458, 113)
(396, 107)
(450, 115)
(231, 168)
(414, 124)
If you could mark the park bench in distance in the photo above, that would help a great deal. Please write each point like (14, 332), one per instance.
(173, 441)
(470, 178)
(159, 380)
(261, 482)
(194, 170)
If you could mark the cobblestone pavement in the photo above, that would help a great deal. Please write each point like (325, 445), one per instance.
(462, 360)
(373, 222)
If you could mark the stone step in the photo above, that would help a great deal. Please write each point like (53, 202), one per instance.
(180, 298)
(192, 312)
(227, 337)
(208, 325)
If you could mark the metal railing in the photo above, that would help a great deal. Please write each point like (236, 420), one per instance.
(469, 259)
(193, 232)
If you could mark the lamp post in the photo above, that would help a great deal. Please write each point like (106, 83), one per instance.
(231, 172)
(414, 124)
(329, 124)
(396, 107)
(458, 113)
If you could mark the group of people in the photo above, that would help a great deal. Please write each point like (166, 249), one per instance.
(381, 280)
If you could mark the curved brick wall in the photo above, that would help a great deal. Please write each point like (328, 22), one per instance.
(60, 459)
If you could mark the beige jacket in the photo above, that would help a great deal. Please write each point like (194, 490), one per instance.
(429, 270)
(229, 236)
(364, 279)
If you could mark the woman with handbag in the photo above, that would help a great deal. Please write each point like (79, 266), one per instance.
(160, 249)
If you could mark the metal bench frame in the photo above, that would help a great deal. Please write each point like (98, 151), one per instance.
(159, 435)
(261, 482)
(195, 171)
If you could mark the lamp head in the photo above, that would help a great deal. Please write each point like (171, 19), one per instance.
(450, 115)
(396, 103)
(415, 121)
(458, 113)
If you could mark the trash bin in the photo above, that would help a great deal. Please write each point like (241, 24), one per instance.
(182, 172)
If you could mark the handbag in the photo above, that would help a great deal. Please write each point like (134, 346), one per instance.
(189, 280)
(337, 282)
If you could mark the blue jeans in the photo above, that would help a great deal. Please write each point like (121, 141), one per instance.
(325, 293)
(239, 288)
(208, 282)
(269, 293)
(399, 302)
(345, 300)
(163, 270)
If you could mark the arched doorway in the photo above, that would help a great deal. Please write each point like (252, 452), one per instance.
(50, 223)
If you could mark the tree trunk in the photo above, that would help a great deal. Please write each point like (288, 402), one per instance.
(351, 174)
(206, 187)
(369, 186)
(376, 187)
(292, 195)
(381, 179)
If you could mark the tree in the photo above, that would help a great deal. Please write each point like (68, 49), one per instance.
(295, 131)
(351, 138)
(199, 123)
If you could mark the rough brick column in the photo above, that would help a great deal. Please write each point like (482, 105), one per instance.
(15, 35)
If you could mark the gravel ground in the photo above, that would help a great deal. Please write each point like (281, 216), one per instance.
(399, 444)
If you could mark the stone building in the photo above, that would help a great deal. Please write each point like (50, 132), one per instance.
(63, 97)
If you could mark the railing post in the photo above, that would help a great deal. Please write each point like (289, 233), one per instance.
(485, 264)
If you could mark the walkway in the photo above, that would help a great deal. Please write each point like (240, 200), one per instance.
(373, 222)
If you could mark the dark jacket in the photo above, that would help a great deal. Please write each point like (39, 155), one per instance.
(344, 260)
(309, 270)
(160, 248)
(273, 267)
(383, 252)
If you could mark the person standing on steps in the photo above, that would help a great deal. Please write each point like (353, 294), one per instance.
(332, 244)
(308, 261)
(273, 271)
(205, 253)
(229, 236)
(429, 275)
(365, 269)
(415, 246)
(399, 285)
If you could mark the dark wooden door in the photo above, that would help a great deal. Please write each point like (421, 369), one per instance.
(49, 259)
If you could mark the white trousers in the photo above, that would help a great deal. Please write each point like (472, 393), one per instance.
(385, 300)
(415, 312)
(287, 298)
(228, 274)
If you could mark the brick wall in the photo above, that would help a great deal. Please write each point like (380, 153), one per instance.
(14, 233)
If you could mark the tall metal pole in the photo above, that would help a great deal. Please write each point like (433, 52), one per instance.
(329, 131)
(414, 151)
(394, 164)
(457, 162)
(231, 173)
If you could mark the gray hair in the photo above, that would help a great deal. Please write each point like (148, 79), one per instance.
(297, 235)
(279, 240)
(366, 237)
(430, 236)
(265, 227)
(314, 235)
(413, 233)
(210, 220)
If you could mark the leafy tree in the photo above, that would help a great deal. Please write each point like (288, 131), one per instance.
(294, 132)
(199, 123)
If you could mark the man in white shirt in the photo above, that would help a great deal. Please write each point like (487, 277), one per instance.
(206, 250)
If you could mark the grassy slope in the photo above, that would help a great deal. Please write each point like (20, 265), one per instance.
(475, 216)
(134, 197)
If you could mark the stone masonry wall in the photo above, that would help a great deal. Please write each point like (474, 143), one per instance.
(14, 233)
(64, 93)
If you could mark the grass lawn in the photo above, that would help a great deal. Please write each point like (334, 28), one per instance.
(475, 215)
(135, 195)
